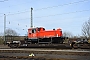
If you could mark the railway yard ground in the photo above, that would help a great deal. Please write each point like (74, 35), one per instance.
(7, 53)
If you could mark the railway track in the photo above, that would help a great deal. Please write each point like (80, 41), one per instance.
(45, 49)
(44, 54)
(31, 58)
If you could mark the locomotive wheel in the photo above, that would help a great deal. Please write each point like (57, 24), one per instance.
(72, 44)
(14, 45)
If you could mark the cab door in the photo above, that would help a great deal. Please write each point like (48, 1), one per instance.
(33, 34)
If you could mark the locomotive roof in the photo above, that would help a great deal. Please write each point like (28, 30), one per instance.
(36, 28)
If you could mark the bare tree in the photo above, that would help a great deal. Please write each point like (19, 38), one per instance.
(86, 29)
(11, 32)
(67, 34)
(1, 38)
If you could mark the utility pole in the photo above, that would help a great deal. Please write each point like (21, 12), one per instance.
(31, 18)
(4, 28)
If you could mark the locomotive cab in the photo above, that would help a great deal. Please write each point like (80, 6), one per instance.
(33, 32)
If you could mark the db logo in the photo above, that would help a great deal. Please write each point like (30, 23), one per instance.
(34, 35)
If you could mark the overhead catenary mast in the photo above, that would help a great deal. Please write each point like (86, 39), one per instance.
(31, 18)
(4, 27)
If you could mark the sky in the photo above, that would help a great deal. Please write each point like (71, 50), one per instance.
(69, 15)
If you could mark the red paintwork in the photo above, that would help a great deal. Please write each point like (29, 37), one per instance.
(44, 33)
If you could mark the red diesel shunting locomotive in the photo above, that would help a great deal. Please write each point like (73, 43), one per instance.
(42, 33)
(37, 35)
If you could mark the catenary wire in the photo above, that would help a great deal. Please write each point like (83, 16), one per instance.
(64, 13)
(47, 7)
(62, 5)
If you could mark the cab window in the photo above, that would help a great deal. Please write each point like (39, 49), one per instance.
(33, 30)
(40, 29)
